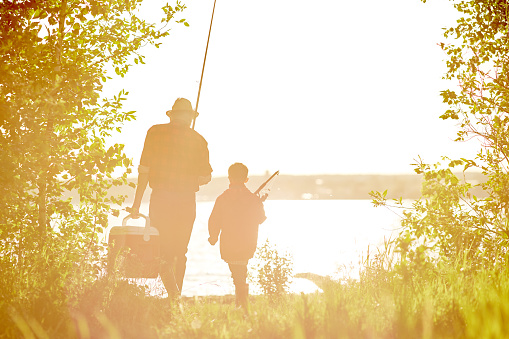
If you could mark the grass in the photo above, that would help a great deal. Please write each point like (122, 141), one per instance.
(450, 302)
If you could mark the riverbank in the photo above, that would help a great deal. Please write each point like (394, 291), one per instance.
(452, 304)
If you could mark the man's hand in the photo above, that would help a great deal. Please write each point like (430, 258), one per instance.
(212, 241)
(204, 180)
(134, 211)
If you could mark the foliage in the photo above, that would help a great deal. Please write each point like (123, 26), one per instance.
(451, 222)
(377, 268)
(54, 60)
(274, 270)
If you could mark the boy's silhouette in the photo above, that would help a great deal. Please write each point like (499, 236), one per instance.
(236, 216)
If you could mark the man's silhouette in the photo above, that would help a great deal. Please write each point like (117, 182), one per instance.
(174, 162)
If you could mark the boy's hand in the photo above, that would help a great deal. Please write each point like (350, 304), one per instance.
(212, 241)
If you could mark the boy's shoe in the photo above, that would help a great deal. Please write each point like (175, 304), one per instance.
(241, 296)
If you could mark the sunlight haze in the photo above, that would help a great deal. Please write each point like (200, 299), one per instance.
(323, 87)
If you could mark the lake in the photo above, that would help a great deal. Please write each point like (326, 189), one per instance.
(326, 237)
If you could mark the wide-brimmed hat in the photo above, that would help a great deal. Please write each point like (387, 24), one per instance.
(181, 105)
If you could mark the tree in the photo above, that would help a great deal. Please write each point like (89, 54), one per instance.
(450, 223)
(54, 60)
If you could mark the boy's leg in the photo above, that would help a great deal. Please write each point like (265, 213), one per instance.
(239, 275)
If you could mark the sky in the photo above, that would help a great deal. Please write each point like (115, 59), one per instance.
(321, 87)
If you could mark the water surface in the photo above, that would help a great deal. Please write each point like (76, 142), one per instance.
(326, 237)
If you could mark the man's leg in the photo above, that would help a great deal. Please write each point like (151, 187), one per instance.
(168, 277)
(173, 214)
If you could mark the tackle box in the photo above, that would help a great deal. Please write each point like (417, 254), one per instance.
(134, 250)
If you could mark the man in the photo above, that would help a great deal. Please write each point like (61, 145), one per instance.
(174, 162)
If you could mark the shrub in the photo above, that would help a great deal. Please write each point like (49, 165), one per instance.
(274, 270)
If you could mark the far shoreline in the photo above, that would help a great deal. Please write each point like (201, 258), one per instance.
(317, 187)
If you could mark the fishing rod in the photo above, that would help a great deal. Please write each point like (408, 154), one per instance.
(263, 197)
(204, 60)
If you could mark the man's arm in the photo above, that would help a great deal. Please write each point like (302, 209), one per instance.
(140, 190)
(204, 180)
(205, 170)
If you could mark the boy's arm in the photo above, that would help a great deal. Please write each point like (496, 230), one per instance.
(214, 224)
(261, 212)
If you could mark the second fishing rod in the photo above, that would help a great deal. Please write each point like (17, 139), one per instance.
(204, 61)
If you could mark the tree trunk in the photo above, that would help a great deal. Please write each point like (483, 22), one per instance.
(46, 162)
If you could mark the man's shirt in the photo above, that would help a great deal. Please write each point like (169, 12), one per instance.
(176, 156)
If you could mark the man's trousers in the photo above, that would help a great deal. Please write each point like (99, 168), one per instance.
(173, 214)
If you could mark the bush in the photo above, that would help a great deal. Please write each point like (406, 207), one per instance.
(274, 270)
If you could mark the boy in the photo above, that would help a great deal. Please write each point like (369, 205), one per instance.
(236, 215)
